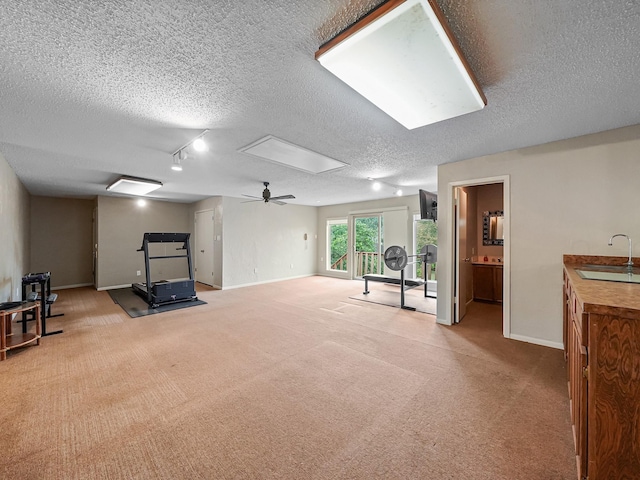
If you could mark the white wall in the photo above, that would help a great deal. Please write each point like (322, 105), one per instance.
(566, 197)
(410, 202)
(269, 238)
(14, 233)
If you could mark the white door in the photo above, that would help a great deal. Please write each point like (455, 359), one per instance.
(204, 247)
(462, 262)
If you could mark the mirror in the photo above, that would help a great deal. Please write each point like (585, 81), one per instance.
(493, 228)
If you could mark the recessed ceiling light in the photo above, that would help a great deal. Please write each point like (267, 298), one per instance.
(376, 186)
(133, 186)
(399, 192)
(279, 151)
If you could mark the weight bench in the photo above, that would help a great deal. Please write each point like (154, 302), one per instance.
(44, 296)
(405, 284)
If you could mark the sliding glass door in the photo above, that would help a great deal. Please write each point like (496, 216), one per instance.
(367, 245)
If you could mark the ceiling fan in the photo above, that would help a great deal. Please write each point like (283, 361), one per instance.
(266, 196)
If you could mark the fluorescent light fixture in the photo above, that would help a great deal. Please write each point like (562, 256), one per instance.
(403, 58)
(133, 186)
(284, 153)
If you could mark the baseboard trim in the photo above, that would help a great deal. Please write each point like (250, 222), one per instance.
(242, 285)
(77, 285)
(537, 341)
(113, 287)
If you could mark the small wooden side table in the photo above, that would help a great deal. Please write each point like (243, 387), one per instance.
(9, 341)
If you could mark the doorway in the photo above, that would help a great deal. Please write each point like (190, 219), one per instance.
(204, 247)
(466, 240)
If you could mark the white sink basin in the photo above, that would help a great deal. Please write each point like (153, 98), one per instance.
(609, 273)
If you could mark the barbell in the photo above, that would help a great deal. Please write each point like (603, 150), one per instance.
(396, 258)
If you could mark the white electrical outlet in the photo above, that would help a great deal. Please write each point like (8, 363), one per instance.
(255, 270)
(138, 273)
(321, 259)
(291, 266)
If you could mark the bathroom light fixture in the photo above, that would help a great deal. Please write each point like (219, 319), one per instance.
(133, 185)
(403, 58)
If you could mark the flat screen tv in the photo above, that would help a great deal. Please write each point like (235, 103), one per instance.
(428, 205)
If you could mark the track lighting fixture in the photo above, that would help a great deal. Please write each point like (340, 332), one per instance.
(177, 163)
(378, 184)
(198, 144)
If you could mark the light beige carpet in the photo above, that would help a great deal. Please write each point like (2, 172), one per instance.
(289, 380)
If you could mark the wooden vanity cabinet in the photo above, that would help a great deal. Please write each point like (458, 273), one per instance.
(487, 282)
(602, 350)
(577, 372)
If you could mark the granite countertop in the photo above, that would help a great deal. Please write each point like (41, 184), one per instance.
(599, 296)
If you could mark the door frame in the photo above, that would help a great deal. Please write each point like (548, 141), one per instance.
(506, 252)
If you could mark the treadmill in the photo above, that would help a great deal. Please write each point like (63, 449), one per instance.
(165, 292)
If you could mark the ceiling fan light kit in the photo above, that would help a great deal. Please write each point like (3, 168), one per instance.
(403, 58)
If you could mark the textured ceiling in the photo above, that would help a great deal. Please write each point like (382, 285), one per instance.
(94, 89)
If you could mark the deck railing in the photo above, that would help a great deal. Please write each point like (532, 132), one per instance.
(367, 262)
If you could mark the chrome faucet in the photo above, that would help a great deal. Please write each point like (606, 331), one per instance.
(629, 262)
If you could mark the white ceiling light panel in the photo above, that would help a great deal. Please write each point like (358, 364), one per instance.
(404, 59)
(133, 186)
(279, 151)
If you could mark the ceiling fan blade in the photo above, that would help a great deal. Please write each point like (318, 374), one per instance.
(277, 202)
(251, 196)
(282, 197)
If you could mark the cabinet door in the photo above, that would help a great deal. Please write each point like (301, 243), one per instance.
(483, 282)
(497, 284)
(581, 427)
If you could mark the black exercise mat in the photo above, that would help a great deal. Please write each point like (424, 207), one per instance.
(135, 306)
(384, 294)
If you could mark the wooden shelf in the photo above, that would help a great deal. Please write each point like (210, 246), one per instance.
(21, 339)
(10, 341)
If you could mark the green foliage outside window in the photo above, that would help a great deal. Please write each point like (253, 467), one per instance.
(426, 234)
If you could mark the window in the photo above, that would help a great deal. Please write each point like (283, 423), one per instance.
(425, 232)
(337, 245)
